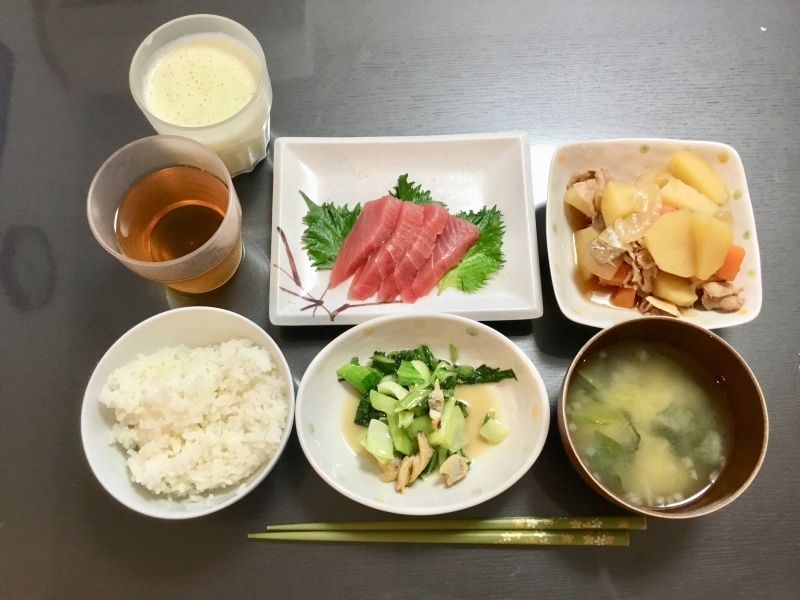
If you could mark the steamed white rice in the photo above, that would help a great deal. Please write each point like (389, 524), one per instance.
(196, 419)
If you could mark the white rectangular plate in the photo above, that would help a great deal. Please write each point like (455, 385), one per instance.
(627, 159)
(465, 172)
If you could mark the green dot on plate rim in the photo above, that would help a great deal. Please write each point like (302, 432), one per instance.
(644, 148)
(746, 235)
(737, 194)
(311, 429)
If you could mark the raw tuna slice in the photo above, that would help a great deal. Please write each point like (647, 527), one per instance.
(450, 247)
(388, 290)
(375, 223)
(382, 261)
(434, 221)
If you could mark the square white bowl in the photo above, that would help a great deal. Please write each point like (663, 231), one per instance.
(466, 172)
(628, 158)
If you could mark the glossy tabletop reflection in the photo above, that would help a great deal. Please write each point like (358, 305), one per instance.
(560, 71)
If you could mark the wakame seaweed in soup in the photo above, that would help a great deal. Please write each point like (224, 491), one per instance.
(649, 422)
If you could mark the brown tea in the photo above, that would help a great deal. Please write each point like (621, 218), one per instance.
(170, 213)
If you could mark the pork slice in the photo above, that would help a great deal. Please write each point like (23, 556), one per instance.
(450, 247)
(381, 263)
(375, 223)
(434, 221)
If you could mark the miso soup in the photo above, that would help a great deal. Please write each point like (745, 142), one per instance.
(649, 422)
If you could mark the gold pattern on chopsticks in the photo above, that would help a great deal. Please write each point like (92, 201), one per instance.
(598, 540)
(586, 524)
(530, 522)
(539, 538)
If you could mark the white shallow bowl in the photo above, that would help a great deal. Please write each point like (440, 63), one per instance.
(193, 327)
(628, 158)
(322, 408)
(466, 172)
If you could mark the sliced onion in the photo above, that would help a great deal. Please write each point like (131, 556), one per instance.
(607, 246)
(725, 216)
(634, 226)
(648, 198)
(648, 204)
(659, 177)
(603, 271)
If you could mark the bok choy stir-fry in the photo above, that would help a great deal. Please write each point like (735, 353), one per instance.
(415, 423)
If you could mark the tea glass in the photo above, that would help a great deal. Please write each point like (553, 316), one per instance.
(207, 267)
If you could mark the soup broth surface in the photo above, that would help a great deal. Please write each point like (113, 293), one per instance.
(649, 422)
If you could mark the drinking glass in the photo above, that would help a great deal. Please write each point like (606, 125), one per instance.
(206, 267)
(240, 140)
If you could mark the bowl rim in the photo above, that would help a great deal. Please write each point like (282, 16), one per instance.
(355, 332)
(599, 487)
(551, 199)
(257, 477)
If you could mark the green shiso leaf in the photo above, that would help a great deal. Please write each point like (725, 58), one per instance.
(406, 190)
(326, 227)
(484, 257)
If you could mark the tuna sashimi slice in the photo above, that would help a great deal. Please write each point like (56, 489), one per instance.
(375, 223)
(388, 289)
(382, 261)
(434, 221)
(450, 247)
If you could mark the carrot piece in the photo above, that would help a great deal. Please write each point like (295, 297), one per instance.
(732, 264)
(619, 277)
(667, 208)
(624, 297)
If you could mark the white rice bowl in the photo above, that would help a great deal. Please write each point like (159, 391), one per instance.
(205, 428)
(197, 419)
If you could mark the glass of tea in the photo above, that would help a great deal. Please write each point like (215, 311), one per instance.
(166, 208)
(205, 77)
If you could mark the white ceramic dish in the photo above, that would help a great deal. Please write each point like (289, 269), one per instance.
(466, 172)
(192, 326)
(628, 158)
(325, 407)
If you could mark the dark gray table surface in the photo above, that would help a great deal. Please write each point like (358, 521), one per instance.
(561, 71)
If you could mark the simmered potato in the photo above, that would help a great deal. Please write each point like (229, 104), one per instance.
(618, 202)
(674, 289)
(669, 241)
(694, 171)
(573, 198)
(582, 238)
(587, 265)
(711, 239)
(678, 194)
